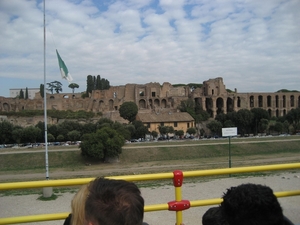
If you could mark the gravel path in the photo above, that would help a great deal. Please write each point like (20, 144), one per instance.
(29, 205)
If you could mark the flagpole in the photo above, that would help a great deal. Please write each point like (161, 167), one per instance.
(45, 100)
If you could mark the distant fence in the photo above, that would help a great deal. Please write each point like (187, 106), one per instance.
(178, 205)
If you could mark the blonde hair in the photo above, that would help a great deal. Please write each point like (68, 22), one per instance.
(78, 206)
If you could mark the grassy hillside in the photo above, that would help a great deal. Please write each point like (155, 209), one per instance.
(159, 152)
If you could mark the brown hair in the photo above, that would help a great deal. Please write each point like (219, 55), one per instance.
(114, 202)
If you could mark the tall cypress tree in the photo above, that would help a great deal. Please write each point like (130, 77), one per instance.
(26, 93)
(98, 83)
(42, 90)
(21, 96)
(90, 84)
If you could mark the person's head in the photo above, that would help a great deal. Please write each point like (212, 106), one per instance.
(114, 202)
(213, 216)
(78, 206)
(251, 204)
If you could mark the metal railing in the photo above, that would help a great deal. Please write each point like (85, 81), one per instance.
(178, 205)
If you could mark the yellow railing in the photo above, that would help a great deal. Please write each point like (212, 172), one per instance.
(178, 205)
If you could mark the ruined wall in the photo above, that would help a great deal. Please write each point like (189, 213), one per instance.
(153, 97)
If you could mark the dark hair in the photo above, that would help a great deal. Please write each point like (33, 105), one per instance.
(251, 204)
(213, 216)
(114, 202)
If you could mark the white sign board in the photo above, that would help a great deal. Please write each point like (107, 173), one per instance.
(229, 131)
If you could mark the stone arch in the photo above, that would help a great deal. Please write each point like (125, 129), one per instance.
(101, 104)
(142, 104)
(66, 96)
(277, 113)
(111, 105)
(276, 101)
(150, 103)
(284, 112)
(163, 103)
(251, 101)
(283, 101)
(52, 97)
(239, 102)
(220, 105)
(6, 107)
(260, 101)
(209, 106)
(156, 102)
(292, 100)
(269, 101)
(230, 105)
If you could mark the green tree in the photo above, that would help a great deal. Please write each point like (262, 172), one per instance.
(154, 134)
(293, 117)
(105, 143)
(50, 138)
(258, 124)
(21, 95)
(6, 129)
(98, 83)
(244, 119)
(31, 134)
(73, 135)
(17, 135)
(60, 138)
(73, 86)
(42, 90)
(191, 131)
(163, 130)
(89, 84)
(26, 93)
(55, 86)
(263, 125)
(128, 111)
(179, 133)
(278, 127)
(215, 127)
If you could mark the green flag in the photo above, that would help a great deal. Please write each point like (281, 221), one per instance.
(63, 69)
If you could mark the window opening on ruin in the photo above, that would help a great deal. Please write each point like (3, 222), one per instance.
(276, 101)
(277, 113)
(212, 91)
(260, 101)
(292, 99)
(283, 101)
(239, 102)
(175, 124)
(188, 125)
(269, 101)
(153, 93)
(51, 97)
(142, 93)
(116, 107)
(251, 101)
(284, 112)
(115, 94)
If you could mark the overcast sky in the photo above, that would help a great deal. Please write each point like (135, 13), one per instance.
(253, 44)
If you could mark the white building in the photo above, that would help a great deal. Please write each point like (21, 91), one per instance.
(14, 92)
